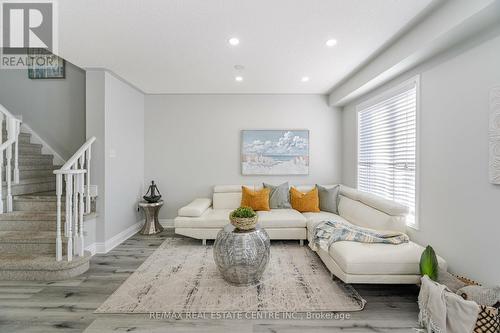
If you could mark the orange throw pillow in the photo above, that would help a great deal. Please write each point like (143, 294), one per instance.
(305, 202)
(257, 200)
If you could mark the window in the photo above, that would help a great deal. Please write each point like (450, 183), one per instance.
(387, 146)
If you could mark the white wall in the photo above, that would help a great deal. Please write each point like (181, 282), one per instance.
(124, 119)
(192, 142)
(43, 103)
(95, 126)
(115, 116)
(459, 212)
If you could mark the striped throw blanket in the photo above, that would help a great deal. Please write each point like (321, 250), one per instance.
(328, 232)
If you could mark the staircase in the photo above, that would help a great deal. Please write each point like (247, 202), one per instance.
(28, 233)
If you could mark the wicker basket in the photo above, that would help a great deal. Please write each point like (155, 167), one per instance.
(488, 320)
(243, 223)
(467, 281)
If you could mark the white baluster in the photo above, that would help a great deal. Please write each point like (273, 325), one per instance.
(69, 219)
(87, 164)
(1, 126)
(8, 177)
(81, 193)
(75, 210)
(81, 208)
(1, 182)
(59, 181)
(1, 164)
(16, 152)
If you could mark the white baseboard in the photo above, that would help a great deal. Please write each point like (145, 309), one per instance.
(118, 238)
(46, 149)
(100, 247)
(167, 223)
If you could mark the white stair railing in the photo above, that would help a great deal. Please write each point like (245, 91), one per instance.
(75, 174)
(13, 126)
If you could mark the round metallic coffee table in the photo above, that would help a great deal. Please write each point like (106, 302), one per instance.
(151, 225)
(242, 255)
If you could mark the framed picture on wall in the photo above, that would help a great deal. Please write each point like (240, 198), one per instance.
(45, 65)
(275, 152)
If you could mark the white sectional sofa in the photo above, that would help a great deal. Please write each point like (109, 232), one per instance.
(352, 262)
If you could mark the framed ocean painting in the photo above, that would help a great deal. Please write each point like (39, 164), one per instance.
(275, 152)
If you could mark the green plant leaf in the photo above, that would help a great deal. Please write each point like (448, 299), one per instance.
(243, 212)
(429, 263)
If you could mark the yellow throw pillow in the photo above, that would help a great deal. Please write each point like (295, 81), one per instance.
(305, 202)
(257, 200)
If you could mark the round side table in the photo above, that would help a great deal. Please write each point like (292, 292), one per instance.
(151, 225)
(242, 255)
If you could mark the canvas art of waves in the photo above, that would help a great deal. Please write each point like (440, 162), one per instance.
(275, 152)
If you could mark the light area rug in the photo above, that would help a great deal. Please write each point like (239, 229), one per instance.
(181, 276)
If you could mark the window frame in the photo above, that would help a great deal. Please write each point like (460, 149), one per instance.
(388, 93)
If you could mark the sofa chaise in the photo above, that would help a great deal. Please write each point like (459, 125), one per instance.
(352, 262)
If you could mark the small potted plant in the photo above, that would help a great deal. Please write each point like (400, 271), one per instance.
(243, 218)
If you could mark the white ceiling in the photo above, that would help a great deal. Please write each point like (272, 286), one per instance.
(180, 46)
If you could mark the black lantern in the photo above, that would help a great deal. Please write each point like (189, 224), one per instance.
(152, 197)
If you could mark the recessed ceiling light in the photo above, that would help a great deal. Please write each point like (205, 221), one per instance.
(305, 79)
(239, 67)
(331, 42)
(234, 41)
(238, 78)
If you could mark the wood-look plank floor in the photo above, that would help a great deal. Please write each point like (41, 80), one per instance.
(68, 306)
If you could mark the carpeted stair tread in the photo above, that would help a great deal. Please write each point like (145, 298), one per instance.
(37, 180)
(49, 196)
(25, 144)
(13, 261)
(39, 167)
(38, 237)
(35, 156)
(37, 224)
(23, 226)
(33, 174)
(29, 216)
(33, 160)
(22, 134)
(41, 194)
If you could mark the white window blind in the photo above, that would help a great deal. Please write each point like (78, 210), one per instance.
(387, 146)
